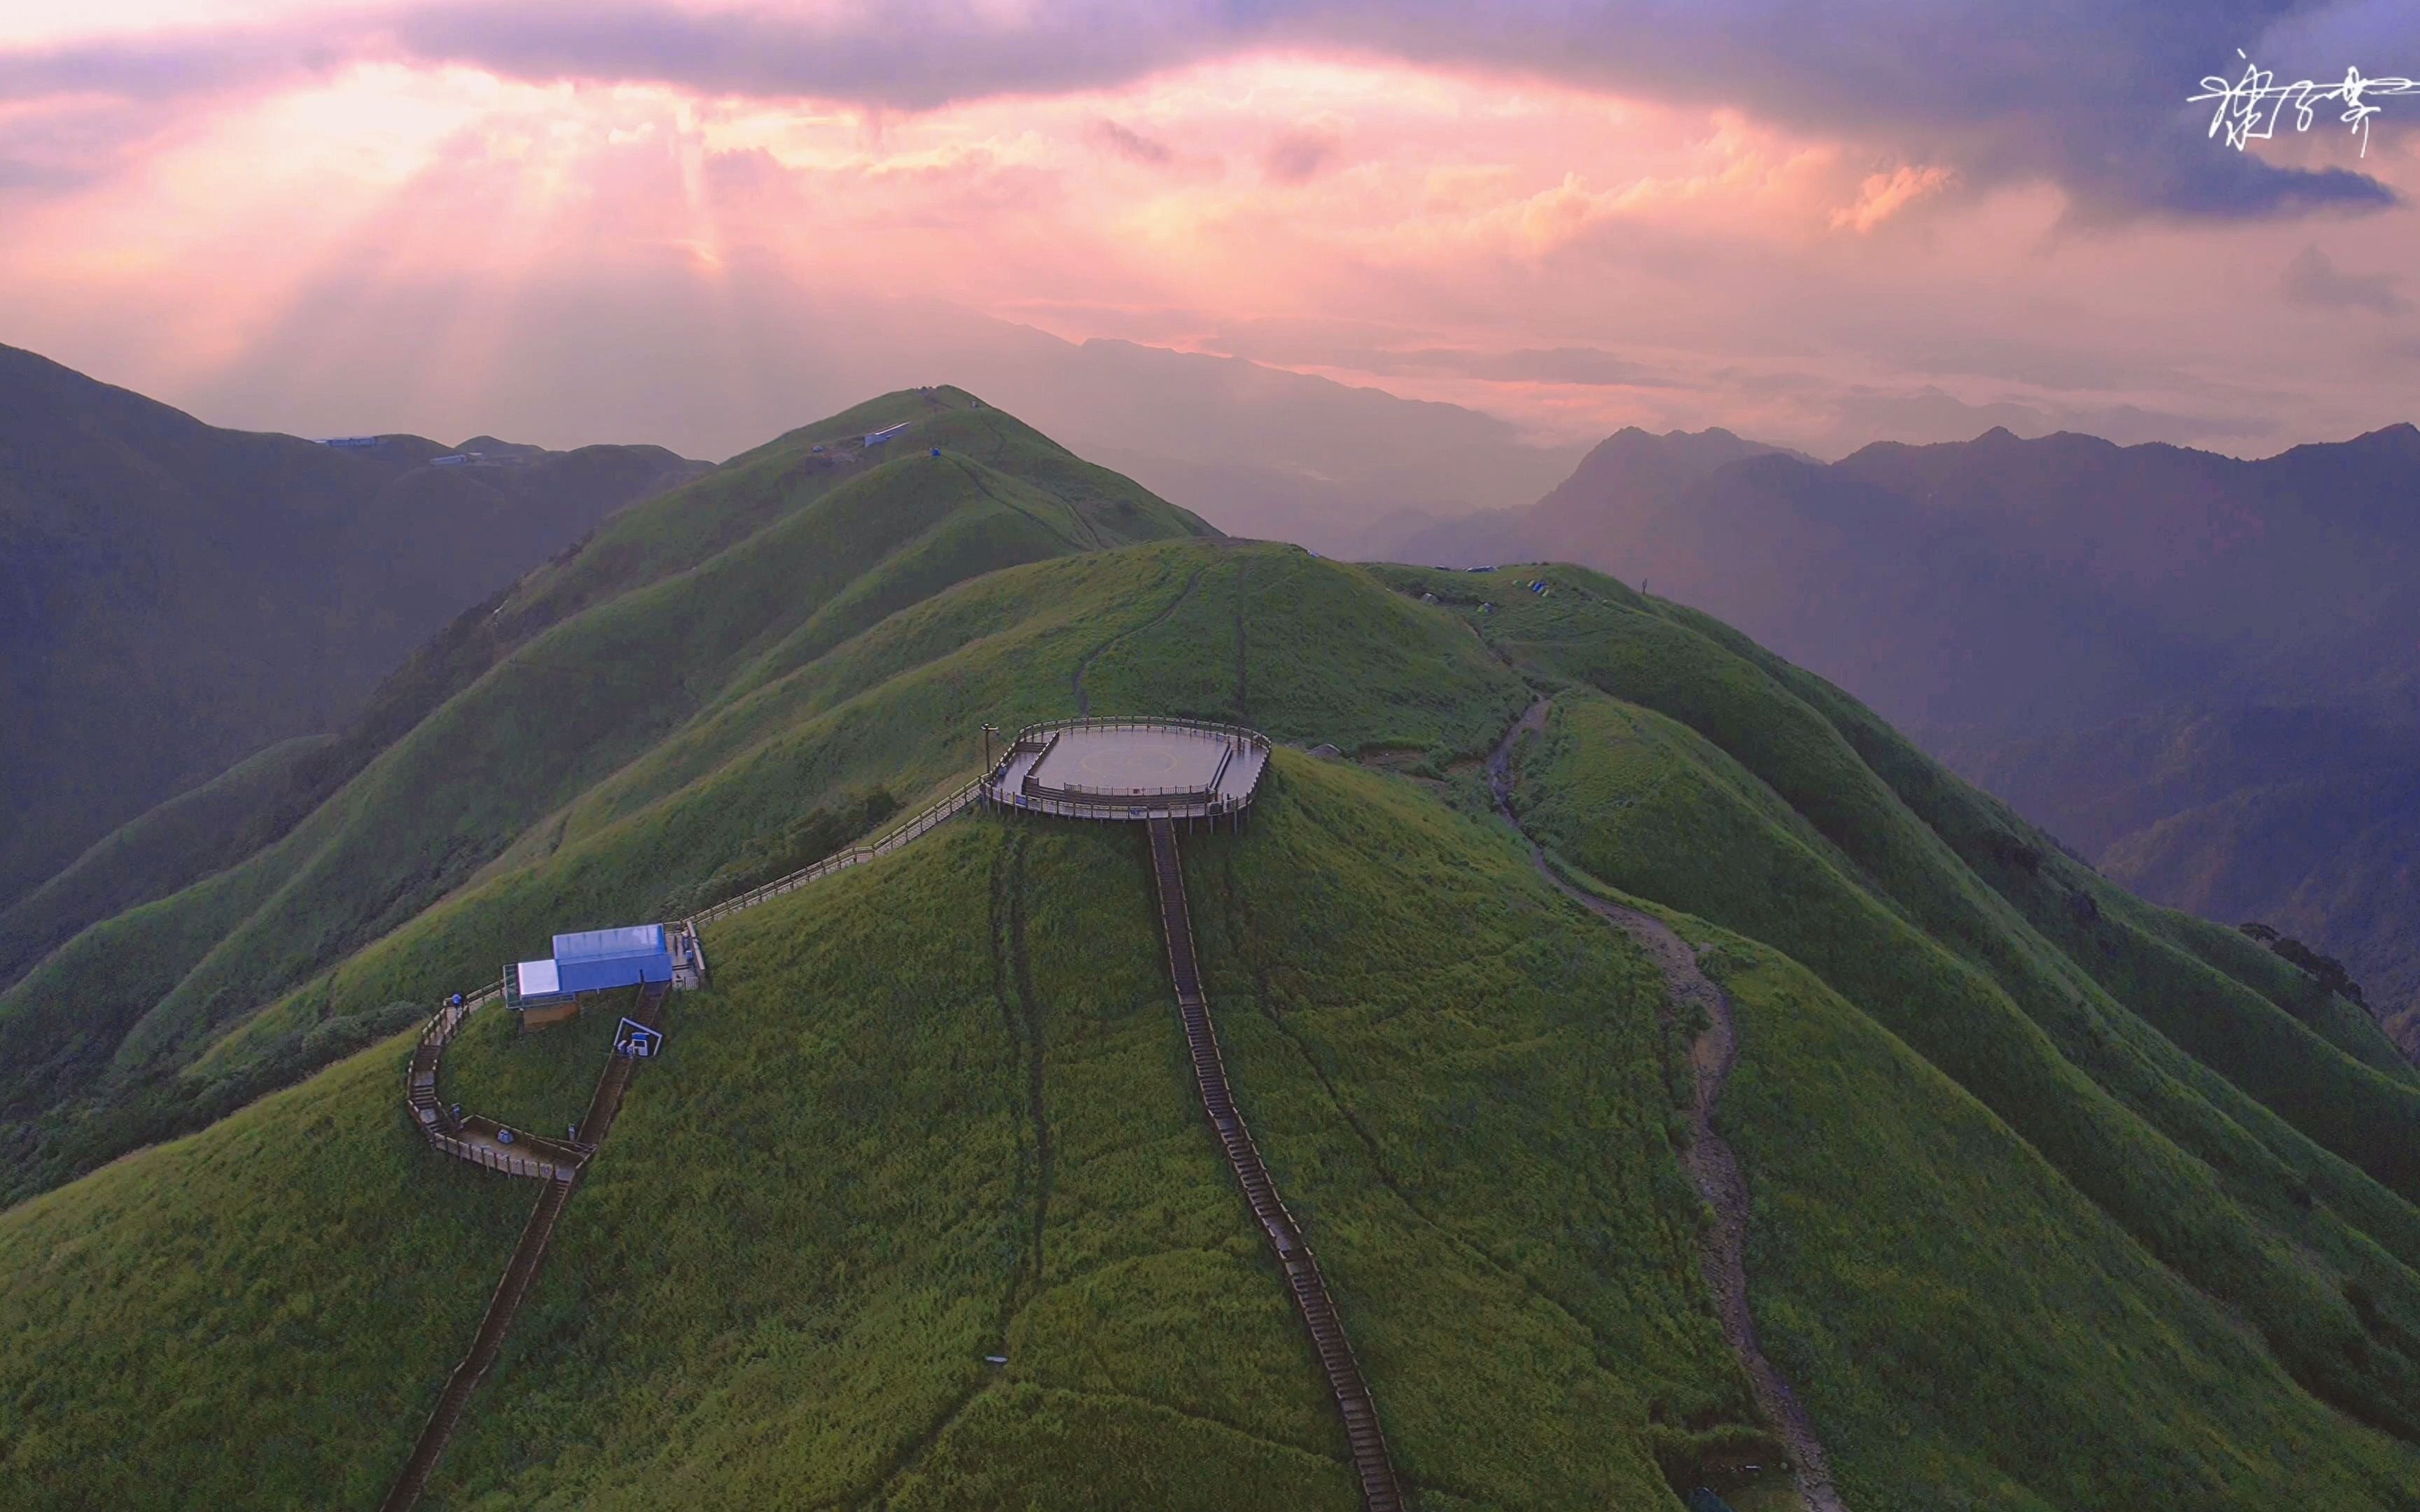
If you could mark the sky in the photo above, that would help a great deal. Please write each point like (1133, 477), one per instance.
(628, 219)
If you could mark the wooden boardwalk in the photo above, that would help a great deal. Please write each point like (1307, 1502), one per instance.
(560, 1164)
(528, 1256)
(1380, 1491)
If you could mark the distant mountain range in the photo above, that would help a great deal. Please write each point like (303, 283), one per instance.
(1259, 450)
(2198, 671)
(175, 597)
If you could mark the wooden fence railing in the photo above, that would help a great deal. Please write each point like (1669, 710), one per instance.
(1206, 727)
(955, 803)
(528, 1255)
(444, 1132)
(1069, 802)
(420, 1077)
(420, 1088)
(498, 1160)
(985, 787)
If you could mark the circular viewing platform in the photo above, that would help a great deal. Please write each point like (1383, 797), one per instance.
(1129, 769)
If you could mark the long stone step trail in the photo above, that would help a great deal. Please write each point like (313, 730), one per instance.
(520, 1272)
(1380, 1490)
(560, 1175)
(527, 1256)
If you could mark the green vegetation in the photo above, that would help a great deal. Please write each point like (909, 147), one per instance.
(2194, 1114)
(794, 847)
(533, 699)
(260, 1315)
(181, 595)
(1963, 1322)
(1460, 1083)
(843, 1187)
(2058, 1200)
(178, 844)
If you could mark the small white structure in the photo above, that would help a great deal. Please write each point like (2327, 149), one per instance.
(877, 437)
(537, 979)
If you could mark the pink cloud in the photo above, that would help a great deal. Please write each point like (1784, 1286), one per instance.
(1299, 155)
(400, 239)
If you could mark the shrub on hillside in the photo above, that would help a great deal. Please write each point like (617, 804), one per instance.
(2329, 971)
(340, 1037)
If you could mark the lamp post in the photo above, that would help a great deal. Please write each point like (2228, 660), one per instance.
(988, 731)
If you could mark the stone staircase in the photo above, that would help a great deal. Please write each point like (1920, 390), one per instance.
(1380, 1491)
(528, 1256)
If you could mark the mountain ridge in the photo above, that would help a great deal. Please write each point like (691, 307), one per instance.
(176, 597)
(2020, 604)
(2054, 1199)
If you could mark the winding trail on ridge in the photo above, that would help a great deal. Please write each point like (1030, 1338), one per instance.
(1084, 700)
(1712, 1164)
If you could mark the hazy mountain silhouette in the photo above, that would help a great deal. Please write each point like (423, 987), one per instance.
(175, 596)
(2196, 668)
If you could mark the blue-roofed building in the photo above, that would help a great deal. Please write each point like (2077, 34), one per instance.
(599, 960)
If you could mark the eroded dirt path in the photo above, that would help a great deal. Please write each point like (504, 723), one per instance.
(1711, 1162)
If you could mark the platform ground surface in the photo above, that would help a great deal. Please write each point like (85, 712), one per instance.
(1126, 761)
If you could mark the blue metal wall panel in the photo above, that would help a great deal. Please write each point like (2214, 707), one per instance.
(603, 976)
(611, 944)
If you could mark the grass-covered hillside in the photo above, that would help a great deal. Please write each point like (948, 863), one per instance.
(2056, 1200)
(2057, 1098)
(674, 609)
(175, 596)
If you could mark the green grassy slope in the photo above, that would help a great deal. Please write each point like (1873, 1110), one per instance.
(259, 1315)
(2246, 1153)
(844, 1186)
(95, 1038)
(1965, 1324)
(2058, 1201)
(174, 845)
(900, 707)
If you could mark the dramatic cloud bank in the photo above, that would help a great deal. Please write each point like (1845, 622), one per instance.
(1818, 224)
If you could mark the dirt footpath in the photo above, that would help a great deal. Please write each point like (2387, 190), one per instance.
(1710, 1160)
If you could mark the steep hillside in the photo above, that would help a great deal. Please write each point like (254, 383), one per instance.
(2306, 818)
(2220, 1119)
(176, 597)
(521, 707)
(2053, 1199)
(200, 830)
(2194, 669)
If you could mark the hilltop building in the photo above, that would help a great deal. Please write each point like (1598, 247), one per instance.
(594, 961)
